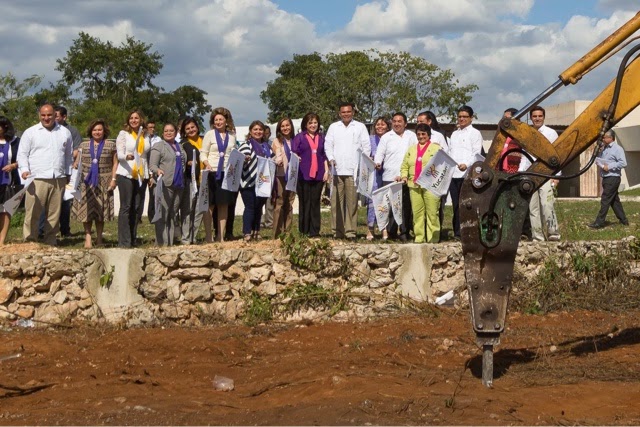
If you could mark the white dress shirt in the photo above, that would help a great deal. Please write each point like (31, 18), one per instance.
(439, 139)
(548, 133)
(46, 154)
(342, 142)
(465, 144)
(391, 150)
(153, 139)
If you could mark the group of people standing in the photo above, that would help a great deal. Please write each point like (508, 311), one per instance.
(139, 159)
(179, 157)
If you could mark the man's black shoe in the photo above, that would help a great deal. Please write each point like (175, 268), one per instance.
(595, 225)
(624, 222)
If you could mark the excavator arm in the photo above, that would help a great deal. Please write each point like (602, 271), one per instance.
(493, 203)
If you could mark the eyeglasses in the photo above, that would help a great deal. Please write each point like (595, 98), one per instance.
(463, 117)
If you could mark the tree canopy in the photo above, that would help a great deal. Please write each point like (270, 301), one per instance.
(15, 104)
(103, 80)
(378, 83)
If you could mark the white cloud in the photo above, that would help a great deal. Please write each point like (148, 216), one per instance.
(416, 18)
(231, 48)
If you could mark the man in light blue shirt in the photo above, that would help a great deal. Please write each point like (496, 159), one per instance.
(45, 154)
(611, 160)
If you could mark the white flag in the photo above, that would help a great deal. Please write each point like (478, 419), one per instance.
(366, 176)
(194, 183)
(158, 200)
(264, 178)
(233, 171)
(202, 205)
(381, 206)
(72, 189)
(395, 198)
(138, 161)
(355, 171)
(331, 181)
(436, 175)
(12, 204)
(292, 173)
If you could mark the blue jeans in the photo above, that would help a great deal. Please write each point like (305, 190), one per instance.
(252, 210)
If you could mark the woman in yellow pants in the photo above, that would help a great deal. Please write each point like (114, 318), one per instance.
(423, 203)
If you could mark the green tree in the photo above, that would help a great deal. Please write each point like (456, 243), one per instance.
(165, 107)
(379, 83)
(101, 70)
(15, 104)
(112, 80)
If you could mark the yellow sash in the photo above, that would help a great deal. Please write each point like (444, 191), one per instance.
(140, 149)
(198, 144)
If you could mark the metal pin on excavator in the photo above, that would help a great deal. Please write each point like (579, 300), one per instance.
(493, 203)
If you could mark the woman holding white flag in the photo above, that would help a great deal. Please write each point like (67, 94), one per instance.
(313, 173)
(283, 206)
(423, 203)
(167, 160)
(253, 147)
(190, 219)
(98, 180)
(381, 126)
(217, 145)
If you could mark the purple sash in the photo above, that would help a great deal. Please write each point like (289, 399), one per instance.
(287, 152)
(178, 174)
(93, 177)
(222, 150)
(287, 149)
(5, 179)
(261, 149)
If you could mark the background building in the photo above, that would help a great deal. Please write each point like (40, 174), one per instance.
(628, 136)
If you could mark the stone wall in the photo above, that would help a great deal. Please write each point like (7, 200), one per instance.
(191, 285)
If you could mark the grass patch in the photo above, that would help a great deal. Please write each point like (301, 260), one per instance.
(573, 217)
(632, 193)
(258, 309)
(312, 296)
(581, 279)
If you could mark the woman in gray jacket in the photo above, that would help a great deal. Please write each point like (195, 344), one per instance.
(167, 161)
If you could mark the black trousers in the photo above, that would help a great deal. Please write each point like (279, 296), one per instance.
(610, 198)
(131, 202)
(309, 194)
(151, 208)
(454, 189)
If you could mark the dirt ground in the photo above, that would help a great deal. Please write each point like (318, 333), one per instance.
(569, 368)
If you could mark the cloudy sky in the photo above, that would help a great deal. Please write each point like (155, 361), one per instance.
(231, 48)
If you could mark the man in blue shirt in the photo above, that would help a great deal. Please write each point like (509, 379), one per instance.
(611, 160)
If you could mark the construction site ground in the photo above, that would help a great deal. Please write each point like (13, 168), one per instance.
(565, 368)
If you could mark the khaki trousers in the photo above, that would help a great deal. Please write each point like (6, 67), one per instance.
(45, 195)
(344, 207)
(542, 213)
